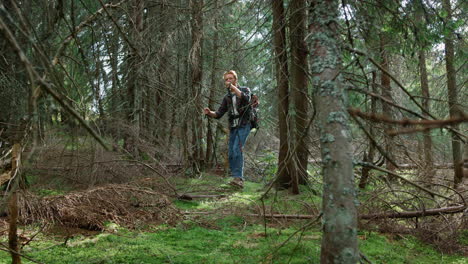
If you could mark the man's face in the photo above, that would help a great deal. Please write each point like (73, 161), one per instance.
(229, 78)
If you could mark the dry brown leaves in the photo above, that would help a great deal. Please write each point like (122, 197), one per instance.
(124, 205)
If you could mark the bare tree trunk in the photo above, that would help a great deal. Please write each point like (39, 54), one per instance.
(299, 86)
(386, 108)
(13, 207)
(427, 140)
(214, 84)
(196, 81)
(369, 157)
(339, 242)
(284, 179)
(133, 85)
(454, 109)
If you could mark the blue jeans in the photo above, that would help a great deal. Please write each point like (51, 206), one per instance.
(237, 138)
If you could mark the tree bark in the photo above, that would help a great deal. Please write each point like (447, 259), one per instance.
(214, 83)
(284, 179)
(454, 109)
(299, 87)
(196, 79)
(387, 94)
(339, 242)
(13, 206)
(427, 139)
(133, 84)
(369, 157)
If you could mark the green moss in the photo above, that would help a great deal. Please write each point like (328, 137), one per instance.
(337, 117)
(327, 138)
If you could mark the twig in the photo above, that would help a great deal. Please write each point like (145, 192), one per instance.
(302, 229)
(371, 138)
(411, 214)
(460, 135)
(195, 196)
(366, 164)
(7, 249)
(33, 236)
(414, 130)
(35, 77)
(364, 258)
(78, 28)
(387, 101)
(405, 214)
(149, 167)
(408, 122)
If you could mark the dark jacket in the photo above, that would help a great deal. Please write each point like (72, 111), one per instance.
(242, 107)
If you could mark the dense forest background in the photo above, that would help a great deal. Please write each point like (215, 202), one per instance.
(362, 103)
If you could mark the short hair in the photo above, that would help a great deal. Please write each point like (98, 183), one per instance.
(231, 72)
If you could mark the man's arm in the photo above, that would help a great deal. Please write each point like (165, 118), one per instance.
(219, 113)
(209, 113)
(244, 95)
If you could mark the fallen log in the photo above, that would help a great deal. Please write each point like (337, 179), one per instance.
(411, 214)
(195, 196)
(434, 166)
(407, 214)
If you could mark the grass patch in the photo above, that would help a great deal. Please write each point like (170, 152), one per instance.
(194, 244)
(408, 249)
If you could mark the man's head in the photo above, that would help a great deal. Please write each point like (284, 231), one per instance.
(230, 77)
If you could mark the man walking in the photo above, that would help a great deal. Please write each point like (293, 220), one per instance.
(236, 103)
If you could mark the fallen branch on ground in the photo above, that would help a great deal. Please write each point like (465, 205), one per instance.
(407, 214)
(411, 214)
(195, 196)
(367, 164)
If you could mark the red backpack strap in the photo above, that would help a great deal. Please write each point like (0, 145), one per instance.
(254, 101)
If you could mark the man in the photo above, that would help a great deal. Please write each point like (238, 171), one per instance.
(236, 103)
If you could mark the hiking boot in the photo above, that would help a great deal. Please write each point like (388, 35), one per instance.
(237, 182)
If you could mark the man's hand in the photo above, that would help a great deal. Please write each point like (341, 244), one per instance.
(208, 112)
(235, 90)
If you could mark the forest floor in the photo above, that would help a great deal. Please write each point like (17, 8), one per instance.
(213, 230)
(151, 219)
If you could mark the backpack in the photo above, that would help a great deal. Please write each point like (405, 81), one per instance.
(254, 119)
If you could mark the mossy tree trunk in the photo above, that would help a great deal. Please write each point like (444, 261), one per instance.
(339, 242)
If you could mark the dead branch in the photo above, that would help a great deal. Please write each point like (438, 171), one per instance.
(91, 209)
(149, 167)
(434, 166)
(417, 129)
(35, 77)
(366, 164)
(424, 124)
(78, 28)
(406, 214)
(460, 135)
(411, 214)
(387, 101)
(379, 148)
(6, 249)
(409, 122)
(195, 196)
